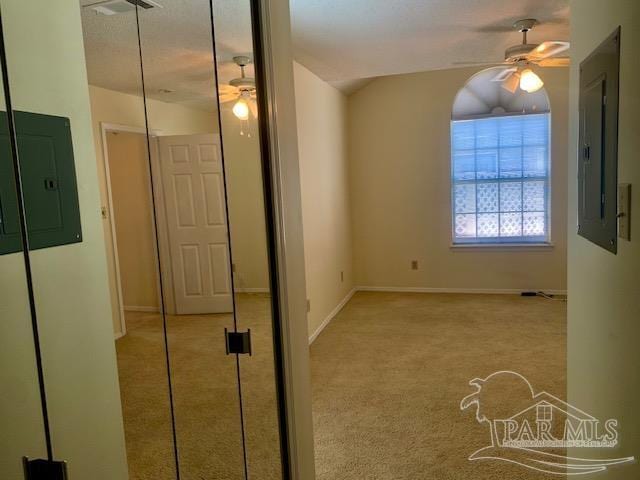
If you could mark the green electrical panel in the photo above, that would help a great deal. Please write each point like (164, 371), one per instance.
(49, 184)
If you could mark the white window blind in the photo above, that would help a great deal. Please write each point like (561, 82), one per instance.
(500, 179)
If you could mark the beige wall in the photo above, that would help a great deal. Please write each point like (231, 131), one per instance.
(321, 113)
(604, 300)
(245, 203)
(399, 154)
(132, 214)
(169, 118)
(48, 75)
(108, 106)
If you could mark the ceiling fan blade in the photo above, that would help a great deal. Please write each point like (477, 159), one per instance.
(512, 83)
(227, 97)
(504, 74)
(480, 63)
(224, 89)
(547, 49)
(253, 106)
(555, 62)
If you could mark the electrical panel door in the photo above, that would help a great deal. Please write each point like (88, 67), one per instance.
(49, 186)
(598, 145)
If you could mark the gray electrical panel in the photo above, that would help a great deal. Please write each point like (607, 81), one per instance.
(49, 184)
(598, 144)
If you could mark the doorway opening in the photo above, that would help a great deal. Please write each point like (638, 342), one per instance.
(130, 238)
(187, 204)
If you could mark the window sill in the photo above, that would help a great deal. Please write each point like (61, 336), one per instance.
(502, 246)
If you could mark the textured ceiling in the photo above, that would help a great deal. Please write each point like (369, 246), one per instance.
(176, 49)
(345, 42)
(342, 40)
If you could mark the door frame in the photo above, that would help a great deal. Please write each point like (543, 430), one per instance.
(273, 59)
(105, 128)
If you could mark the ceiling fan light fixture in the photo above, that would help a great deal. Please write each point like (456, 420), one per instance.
(529, 81)
(241, 109)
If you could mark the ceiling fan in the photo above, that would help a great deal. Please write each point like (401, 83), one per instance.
(521, 57)
(242, 90)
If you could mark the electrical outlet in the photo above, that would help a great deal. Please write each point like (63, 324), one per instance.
(414, 264)
(104, 212)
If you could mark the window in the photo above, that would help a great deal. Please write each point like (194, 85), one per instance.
(500, 179)
(544, 413)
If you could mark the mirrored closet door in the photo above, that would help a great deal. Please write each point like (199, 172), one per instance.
(23, 431)
(137, 127)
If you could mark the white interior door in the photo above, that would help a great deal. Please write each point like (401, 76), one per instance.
(195, 206)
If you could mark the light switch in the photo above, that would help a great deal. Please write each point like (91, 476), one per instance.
(624, 211)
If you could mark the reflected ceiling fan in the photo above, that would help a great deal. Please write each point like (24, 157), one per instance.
(242, 90)
(521, 57)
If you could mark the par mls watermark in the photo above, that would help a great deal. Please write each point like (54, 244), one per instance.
(525, 426)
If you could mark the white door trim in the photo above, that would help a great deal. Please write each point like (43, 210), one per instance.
(104, 129)
(160, 229)
(279, 119)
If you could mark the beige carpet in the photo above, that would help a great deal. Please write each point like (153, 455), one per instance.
(205, 396)
(390, 370)
(388, 375)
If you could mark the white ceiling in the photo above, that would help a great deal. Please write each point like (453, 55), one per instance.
(344, 42)
(176, 49)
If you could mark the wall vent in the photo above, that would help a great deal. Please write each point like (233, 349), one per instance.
(115, 7)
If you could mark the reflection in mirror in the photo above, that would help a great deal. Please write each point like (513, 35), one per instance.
(121, 145)
(20, 402)
(243, 164)
(146, 207)
(48, 87)
(193, 235)
(212, 224)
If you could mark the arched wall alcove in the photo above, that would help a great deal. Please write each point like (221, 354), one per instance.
(481, 96)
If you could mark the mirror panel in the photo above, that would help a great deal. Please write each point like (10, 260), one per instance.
(20, 402)
(120, 134)
(144, 201)
(48, 86)
(60, 135)
(193, 235)
(243, 167)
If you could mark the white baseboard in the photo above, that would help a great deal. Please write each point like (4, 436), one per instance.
(331, 315)
(251, 290)
(137, 308)
(502, 291)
